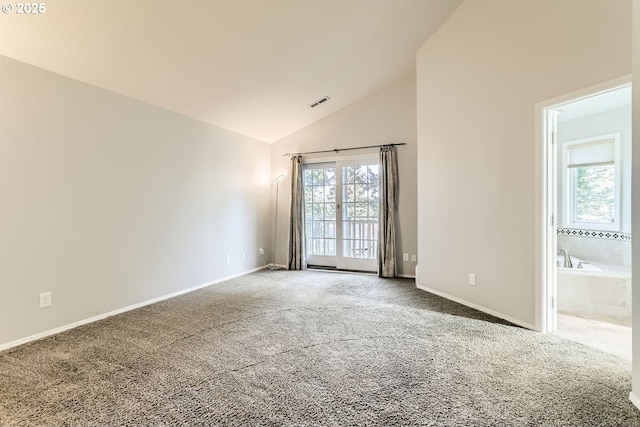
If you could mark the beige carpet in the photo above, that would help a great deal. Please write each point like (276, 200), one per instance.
(311, 348)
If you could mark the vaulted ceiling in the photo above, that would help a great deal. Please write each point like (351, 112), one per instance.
(250, 66)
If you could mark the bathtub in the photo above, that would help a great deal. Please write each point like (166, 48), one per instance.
(596, 290)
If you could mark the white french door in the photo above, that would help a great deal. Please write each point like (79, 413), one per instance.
(341, 214)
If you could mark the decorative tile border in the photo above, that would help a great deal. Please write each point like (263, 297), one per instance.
(594, 233)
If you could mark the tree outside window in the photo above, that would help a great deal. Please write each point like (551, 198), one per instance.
(595, 194)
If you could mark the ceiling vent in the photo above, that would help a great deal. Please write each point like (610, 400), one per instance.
(319, 101)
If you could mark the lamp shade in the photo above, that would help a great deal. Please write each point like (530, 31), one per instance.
(277, 179)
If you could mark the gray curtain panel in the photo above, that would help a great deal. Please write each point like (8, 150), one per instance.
(388, 198)
(296, 226)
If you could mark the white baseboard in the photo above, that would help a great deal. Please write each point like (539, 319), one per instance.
(60, 329)
(406, 276)
(635, 400)
(478, 307)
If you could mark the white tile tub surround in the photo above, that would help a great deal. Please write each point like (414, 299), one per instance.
(602, 288)
(603, 293)
(605, 250)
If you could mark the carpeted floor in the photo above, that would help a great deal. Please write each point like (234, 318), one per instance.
(311, 348)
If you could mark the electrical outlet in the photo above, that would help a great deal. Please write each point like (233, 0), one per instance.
(261, 251)
(405, 256)
(228, 259)
(472, 279)
(45, 299)
(414, 258)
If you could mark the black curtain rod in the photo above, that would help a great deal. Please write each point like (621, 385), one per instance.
(337, 150)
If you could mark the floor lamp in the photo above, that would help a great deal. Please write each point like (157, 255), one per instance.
(276, 182)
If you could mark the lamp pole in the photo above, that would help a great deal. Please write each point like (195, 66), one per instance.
(276, 181)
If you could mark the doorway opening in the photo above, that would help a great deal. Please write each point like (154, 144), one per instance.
(586, 259)
(341, 214)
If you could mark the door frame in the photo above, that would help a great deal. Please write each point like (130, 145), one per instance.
(335, 261)
(546, 199)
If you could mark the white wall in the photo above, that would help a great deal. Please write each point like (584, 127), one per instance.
(108, 202)
(387, 116)
(635, 197)
(479, 79)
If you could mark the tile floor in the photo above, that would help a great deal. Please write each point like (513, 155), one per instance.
(609, 337)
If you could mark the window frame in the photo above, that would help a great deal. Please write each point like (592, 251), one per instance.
(569, 185)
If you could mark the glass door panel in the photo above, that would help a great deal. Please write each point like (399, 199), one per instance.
(341, 214)
(319, 183)
(359, 220)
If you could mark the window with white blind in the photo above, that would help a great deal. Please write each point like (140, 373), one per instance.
(591, 183)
